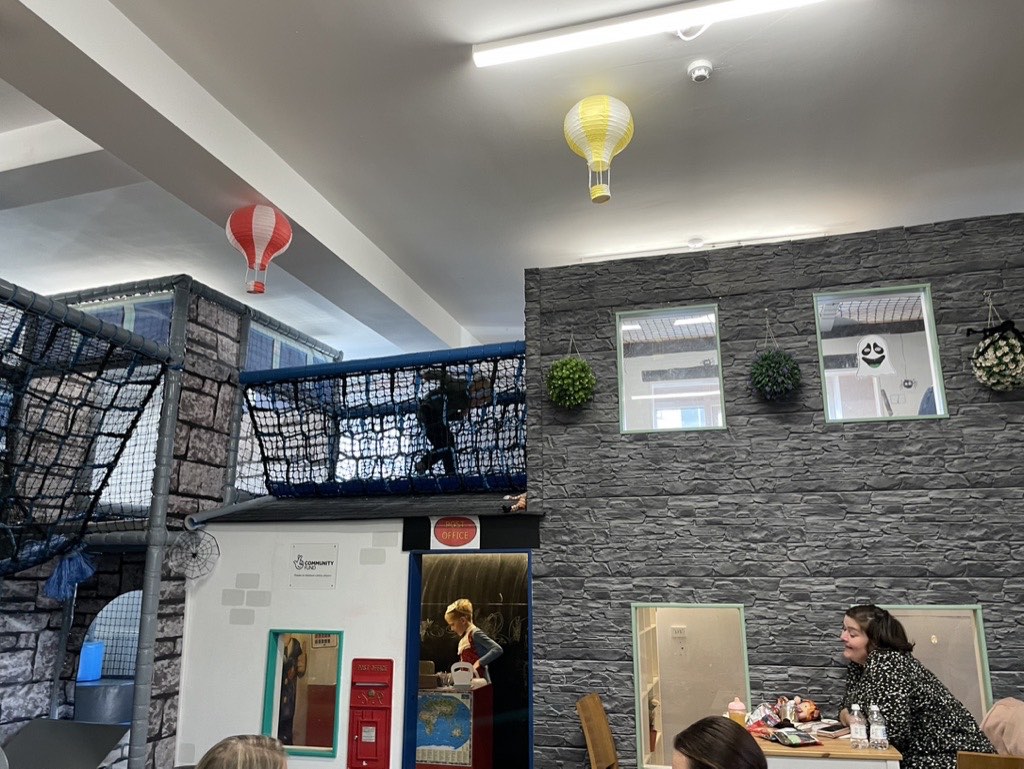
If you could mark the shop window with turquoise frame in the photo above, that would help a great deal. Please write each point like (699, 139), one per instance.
(878, 355)
(689, 661)
(302, 694)
(670, 373)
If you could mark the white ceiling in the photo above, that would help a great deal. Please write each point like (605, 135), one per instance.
(421, 187)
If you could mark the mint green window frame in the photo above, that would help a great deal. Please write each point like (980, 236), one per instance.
(647, 684)
(979, 639)
(689, 406)
(272, 688)
(893, 399)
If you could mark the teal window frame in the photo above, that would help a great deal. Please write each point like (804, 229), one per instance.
(640, 697)
(979, 632)
(931, 337)
(631, 317)
(270, 689)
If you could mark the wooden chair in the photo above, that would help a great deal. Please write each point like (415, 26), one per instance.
(600, 744)
(988, 761)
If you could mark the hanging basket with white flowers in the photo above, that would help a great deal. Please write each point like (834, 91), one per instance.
(998, 359)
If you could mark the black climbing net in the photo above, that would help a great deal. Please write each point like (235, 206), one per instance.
(442, 422)
(79, 414)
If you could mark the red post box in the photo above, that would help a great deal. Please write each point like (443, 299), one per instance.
(369, 714)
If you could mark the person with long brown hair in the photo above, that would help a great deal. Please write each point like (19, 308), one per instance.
(924, 721)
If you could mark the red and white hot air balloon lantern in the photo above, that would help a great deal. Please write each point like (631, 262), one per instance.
(260, 233)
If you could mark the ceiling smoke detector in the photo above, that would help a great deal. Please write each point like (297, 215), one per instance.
(699, 70)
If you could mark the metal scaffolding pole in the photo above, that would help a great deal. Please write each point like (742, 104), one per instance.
(156, 532)
(230, 493)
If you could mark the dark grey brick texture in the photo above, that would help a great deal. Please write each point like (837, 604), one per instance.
(793, 518)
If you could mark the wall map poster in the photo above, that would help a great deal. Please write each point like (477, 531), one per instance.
(313, 567)
(444, 728)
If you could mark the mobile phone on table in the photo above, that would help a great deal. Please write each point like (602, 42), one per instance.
(832, 730)
(794, 738)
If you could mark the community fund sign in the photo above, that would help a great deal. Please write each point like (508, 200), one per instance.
(313, 566)
(455, 532)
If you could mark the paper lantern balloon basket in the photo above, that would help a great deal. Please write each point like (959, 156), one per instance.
(260, 233)
(597, 129)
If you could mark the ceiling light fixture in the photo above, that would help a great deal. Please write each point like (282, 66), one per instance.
(665, 396)
(698, 245)
(696, 320)
(670, 19)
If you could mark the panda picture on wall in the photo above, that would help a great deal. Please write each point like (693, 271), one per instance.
(874, 357)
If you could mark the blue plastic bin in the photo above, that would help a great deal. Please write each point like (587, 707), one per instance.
(90, 661)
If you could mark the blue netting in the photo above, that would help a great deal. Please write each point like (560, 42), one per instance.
(453, 421)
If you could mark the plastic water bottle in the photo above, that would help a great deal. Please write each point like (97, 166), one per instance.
(858, 728)
(879, 736)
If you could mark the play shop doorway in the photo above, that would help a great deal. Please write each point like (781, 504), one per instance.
(497, 583)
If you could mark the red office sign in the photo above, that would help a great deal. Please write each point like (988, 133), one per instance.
(455, 532)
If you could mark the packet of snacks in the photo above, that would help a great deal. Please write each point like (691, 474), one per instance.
(765, 714)
(761, 729)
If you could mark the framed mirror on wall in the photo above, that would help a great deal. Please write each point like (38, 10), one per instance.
(670, 373)
(878, 355)
(302, 691)
(689, 661)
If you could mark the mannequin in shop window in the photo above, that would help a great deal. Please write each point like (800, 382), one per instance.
(293, 667)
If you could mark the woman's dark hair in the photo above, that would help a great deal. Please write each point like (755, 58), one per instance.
(716, 742)
(883, 630)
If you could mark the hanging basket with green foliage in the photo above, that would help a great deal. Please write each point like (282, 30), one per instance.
(774, 374)
(570, 381)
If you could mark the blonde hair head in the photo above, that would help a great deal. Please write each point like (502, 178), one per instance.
(460, 608)
(245, 751)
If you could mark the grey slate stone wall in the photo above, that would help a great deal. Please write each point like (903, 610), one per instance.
(201, 443)
(29, 623)
(791, 517)
(30, 629)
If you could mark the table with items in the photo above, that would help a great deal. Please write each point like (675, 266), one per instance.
(839, 754)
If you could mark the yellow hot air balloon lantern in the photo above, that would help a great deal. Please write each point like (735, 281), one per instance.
(597, 129)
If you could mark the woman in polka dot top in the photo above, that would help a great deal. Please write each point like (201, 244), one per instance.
(925, 722)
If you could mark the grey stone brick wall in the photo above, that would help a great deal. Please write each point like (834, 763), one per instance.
(794, 518)
(29, 632)
(29, 623)
(201, 442)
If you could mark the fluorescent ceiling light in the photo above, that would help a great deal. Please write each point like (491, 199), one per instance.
(696, 320)
(631, 326)
(629, 27)
(689, 248)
